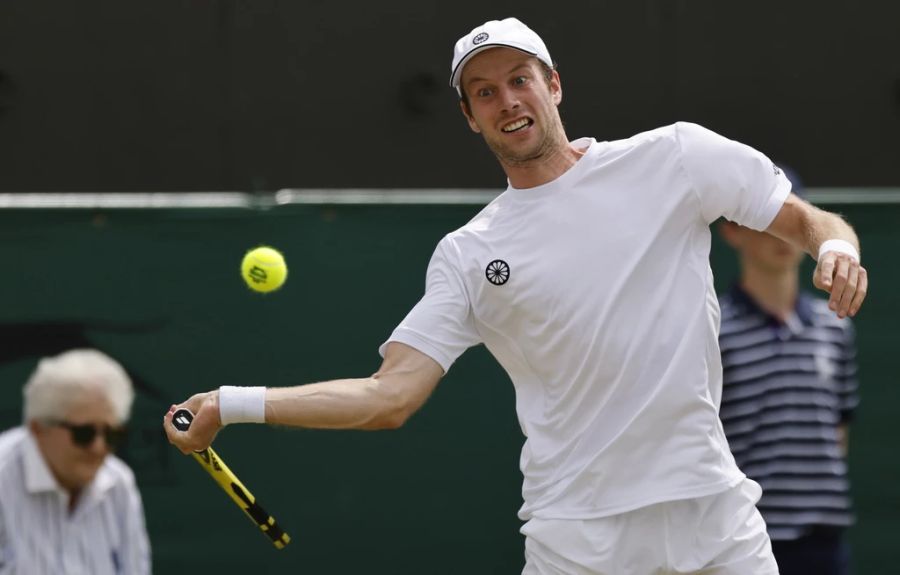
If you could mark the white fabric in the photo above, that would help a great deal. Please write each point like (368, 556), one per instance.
(608, 323)
(720, 534)
(508, 33)
(840, 246)
(105, 534)
(242, 404)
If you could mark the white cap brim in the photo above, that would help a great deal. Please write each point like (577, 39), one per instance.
(457, 72)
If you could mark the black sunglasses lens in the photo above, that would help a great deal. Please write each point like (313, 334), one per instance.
(83, 435)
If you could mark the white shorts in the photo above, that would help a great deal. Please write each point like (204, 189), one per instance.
(720, 534)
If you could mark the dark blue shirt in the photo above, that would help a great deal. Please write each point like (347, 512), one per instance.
(787, 388)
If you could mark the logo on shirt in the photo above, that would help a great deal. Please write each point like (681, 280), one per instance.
(776, 169)
(497, 272)
(480, 38)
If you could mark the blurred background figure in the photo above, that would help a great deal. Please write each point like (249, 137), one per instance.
(789, 389)
(67, 504)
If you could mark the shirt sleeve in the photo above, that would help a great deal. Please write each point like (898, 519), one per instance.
(441, 325)
(731, 179)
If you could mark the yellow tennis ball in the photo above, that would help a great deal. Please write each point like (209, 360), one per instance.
(263, 269)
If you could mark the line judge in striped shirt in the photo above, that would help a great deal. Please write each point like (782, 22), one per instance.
(789, 389)
(67, 505)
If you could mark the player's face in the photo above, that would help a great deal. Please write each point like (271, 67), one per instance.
(74, 465)
(513, 105)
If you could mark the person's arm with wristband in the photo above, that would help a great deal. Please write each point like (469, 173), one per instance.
(384, 400)
(834, 245)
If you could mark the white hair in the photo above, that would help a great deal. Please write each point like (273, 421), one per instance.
(57, 382)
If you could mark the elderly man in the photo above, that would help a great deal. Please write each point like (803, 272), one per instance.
(68, 505)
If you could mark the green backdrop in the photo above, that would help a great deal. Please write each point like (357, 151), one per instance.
(159, 290)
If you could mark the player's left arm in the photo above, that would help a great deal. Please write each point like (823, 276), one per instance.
(837, 272)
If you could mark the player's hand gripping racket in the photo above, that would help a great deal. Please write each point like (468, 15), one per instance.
(228, 481)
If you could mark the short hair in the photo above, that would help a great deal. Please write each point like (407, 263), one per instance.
(57, 382)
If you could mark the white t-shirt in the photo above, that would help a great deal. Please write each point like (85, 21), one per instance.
(594, 293)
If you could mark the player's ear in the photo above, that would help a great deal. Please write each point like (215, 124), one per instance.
(555, 87)
(468, 114)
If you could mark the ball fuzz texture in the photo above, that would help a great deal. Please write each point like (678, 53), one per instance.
(263, 269)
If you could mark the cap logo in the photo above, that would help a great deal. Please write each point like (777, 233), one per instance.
(480, 38)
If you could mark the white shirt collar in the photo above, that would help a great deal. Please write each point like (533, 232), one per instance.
(39, 478)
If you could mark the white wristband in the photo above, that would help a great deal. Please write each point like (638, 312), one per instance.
(242, 404)
(840, 246)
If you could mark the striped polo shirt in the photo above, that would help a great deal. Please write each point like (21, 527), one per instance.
(787, 387)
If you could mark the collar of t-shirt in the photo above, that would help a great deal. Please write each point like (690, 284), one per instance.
(588, 145)
(39, 478)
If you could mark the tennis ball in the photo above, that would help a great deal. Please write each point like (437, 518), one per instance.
(263, 269)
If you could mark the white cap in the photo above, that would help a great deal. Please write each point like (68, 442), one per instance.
(510, 33)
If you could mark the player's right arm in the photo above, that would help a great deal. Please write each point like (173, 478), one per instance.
(385, 400)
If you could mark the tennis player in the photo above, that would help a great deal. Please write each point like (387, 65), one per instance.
(589, 281)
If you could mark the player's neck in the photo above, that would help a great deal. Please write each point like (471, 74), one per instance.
(773, 291)
(545, 169)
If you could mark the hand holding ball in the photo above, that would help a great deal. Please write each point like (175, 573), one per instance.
(263, 269)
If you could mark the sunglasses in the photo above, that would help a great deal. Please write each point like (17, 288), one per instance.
(83, 435)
